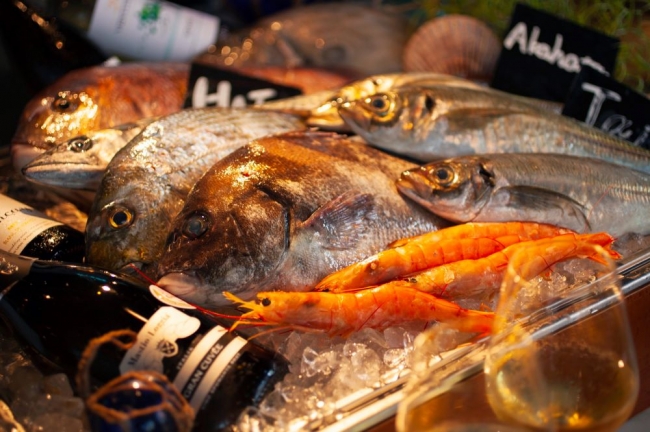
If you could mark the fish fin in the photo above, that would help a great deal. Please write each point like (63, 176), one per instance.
(341, 222)
(464, 119)
(567, 212)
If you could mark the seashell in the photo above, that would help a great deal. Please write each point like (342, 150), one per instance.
(453, 44)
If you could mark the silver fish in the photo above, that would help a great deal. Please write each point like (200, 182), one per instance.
(583, 194)
(427, 123)
(282, 213)
(348, 36)
(326, 115)
(146, 183)
(80, 162)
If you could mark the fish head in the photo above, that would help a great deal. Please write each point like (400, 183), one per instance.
(231, 238)
(128, 221)
(50, 118)
(77, 163)
(403, 120)
(374, 116)
(326, 115)
(453, 189)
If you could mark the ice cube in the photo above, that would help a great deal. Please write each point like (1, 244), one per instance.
(25, 382)
(59, 422)
(252, 420)
(367, 365)
(58, 384)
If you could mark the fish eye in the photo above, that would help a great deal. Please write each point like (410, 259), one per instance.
(429, 103)
(120, 218)
(196, 225)
(63, 104)
(80, 144)
(266, 301)
(379, 103)
(443, 175)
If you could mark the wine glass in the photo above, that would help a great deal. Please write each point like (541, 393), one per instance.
(562, 361)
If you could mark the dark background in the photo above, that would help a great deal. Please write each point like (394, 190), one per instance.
(13, 96)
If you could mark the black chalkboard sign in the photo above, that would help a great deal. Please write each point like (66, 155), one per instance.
(542, 54)
(211, 86)
(605, 103)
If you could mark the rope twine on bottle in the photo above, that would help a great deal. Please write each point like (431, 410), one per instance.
(172, 401)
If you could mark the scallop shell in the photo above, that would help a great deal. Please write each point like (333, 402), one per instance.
(453, 44)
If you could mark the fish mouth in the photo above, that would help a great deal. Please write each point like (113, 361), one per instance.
(353, 115)
(23, 153)
(416, 187)
(327, 117)
(187, 286)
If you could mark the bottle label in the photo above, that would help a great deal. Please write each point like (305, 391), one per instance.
(20, 224)
(201, 369)
(206, 364)
(157, 340)
(151, 30)
(169, 299)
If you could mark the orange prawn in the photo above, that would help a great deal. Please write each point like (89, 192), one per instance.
(483, 276)
(344, 313)
(527, 230)
(461, 242)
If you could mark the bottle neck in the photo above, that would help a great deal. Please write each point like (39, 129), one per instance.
(12, 269)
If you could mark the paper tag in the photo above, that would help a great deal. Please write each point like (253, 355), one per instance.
(168, 298)
(606, 104)
(542, 54)
(157, 340)
(209, 86)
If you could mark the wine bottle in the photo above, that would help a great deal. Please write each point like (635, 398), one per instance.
(139, 29)
(26, 231)
(58, 308)
(41, 49)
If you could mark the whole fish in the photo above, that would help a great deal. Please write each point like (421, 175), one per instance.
(427, 123)
(80, 162)
(348, 36)
(326, 115)
(584, 194)
(283, 212)
(146, 183)
(95, 98)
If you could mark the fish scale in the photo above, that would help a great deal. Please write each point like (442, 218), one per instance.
(147, 181)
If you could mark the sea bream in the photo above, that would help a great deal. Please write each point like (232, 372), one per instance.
(146, 183)
(283, 212)
(427, 123)
(93, 98)
(583, 194)
(80, 162)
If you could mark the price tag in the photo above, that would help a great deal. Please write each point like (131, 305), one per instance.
(542, 54)
(210, 86)
(604, 103)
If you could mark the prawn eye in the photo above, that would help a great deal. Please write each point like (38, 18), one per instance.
(196, 225)
(120, 218)
(266, 301)
(379, 104)
(63, 104)
(80, 144)
(443, 175)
